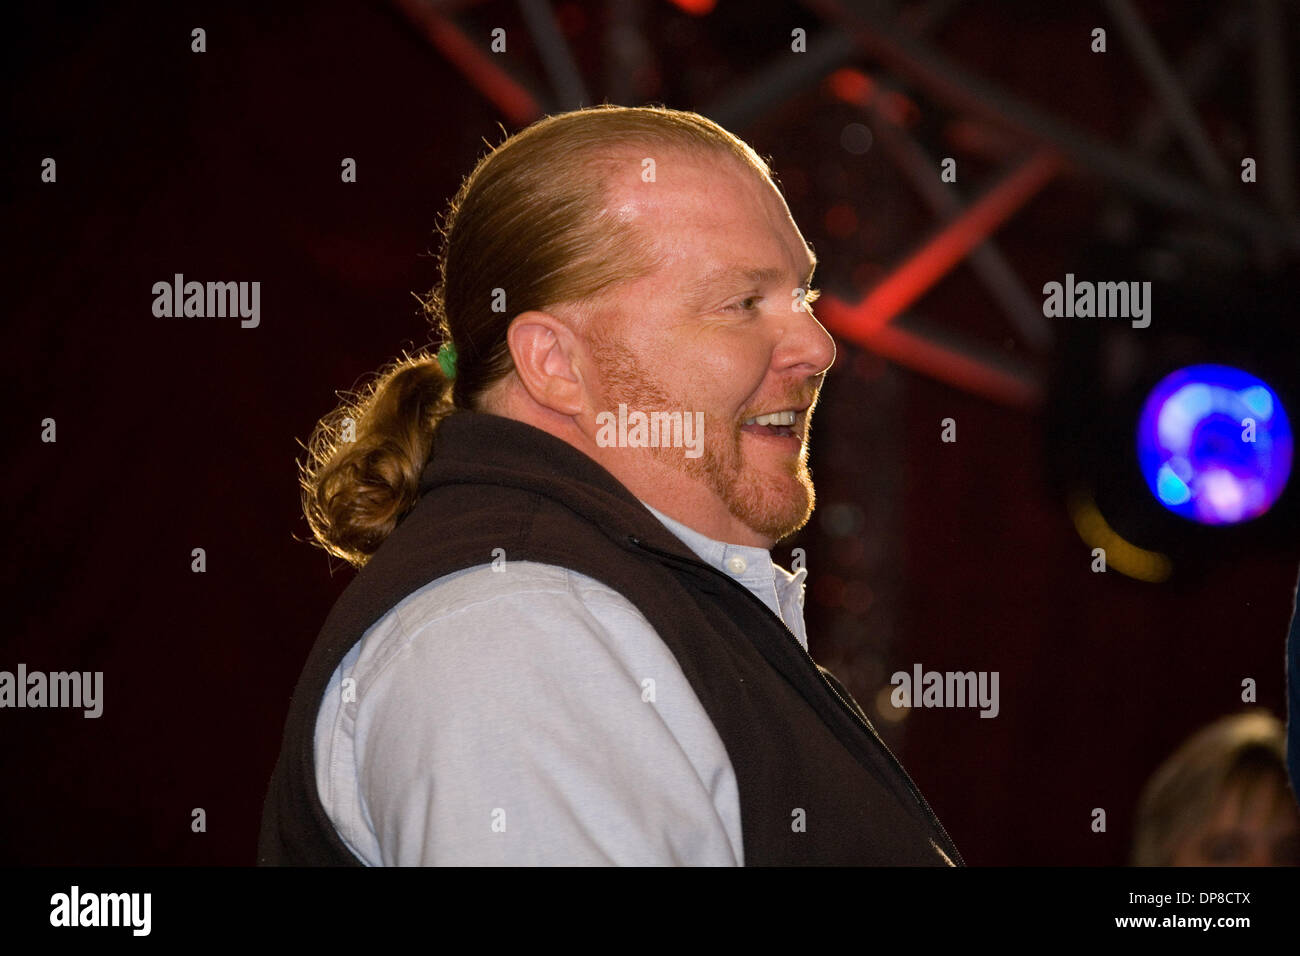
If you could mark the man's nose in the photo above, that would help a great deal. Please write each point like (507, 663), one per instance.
(805, 341)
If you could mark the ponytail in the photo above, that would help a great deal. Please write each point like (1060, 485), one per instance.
(365, 458)
(534, 219)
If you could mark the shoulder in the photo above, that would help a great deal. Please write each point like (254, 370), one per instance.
(541, 685)
(503, 584)
(504, 613)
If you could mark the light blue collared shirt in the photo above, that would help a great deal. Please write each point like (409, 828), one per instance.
(781, 590)
(527, 714)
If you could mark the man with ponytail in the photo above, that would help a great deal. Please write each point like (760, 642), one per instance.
(567, 642)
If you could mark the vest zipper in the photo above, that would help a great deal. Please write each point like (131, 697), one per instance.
(700, 565)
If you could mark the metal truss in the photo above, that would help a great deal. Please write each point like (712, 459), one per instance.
(894, 38)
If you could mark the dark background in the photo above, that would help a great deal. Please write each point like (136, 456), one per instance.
(183, 433)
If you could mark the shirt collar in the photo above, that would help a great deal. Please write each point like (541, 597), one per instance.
(779, 589)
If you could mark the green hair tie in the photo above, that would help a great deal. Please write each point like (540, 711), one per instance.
(447, 360)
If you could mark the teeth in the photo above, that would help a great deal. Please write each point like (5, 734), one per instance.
(774, 418)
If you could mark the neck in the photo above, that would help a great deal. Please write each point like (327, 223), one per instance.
(664, 488)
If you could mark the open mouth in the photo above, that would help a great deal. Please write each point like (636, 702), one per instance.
(781, 424)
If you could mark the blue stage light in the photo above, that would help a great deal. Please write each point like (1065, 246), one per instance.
(1214, 444)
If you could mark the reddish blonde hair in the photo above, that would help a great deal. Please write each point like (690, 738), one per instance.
(530, 220)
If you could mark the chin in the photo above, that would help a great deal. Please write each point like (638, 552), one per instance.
(777, 519)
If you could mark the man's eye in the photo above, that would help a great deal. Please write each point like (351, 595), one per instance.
(747, 304)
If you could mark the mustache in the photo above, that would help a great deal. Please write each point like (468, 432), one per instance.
(804, 399)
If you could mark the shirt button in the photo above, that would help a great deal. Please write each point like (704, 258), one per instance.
(737, 565)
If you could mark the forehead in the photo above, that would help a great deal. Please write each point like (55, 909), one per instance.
(705, 213)
(1254, 802)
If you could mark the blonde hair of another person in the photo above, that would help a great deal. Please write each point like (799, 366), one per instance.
(1222, 798)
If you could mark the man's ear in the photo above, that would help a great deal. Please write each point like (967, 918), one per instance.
(544, 351)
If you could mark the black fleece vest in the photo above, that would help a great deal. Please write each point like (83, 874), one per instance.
(817, 784)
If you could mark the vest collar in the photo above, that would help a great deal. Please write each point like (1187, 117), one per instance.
(473, 447)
